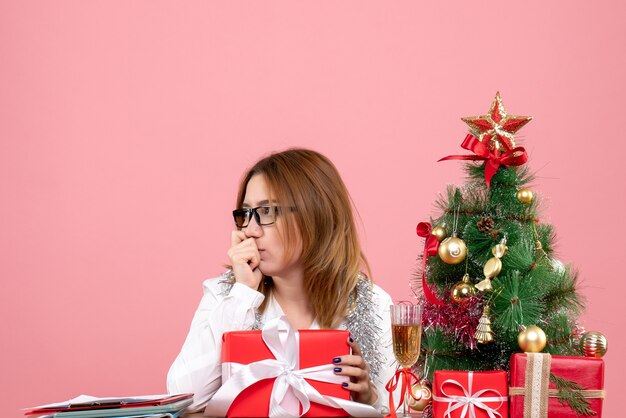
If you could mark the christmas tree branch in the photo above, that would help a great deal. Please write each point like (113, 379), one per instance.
(516, 304)
(570, 392)
(563, 294)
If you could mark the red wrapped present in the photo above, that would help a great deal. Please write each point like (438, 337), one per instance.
(461, 394)
(534, 392)
(283, 372)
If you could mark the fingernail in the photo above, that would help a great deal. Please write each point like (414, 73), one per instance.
(336, 359)
(344, 384)
(351, 340)
(337, 369)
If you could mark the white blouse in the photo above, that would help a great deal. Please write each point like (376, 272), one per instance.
(198, 369)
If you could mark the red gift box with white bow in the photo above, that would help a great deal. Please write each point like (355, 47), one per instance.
(283, 372)
(462, 394)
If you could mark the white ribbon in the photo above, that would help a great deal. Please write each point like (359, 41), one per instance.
(470, 401)
(290, 380)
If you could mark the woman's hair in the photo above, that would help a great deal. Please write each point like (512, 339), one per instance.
(321, 212)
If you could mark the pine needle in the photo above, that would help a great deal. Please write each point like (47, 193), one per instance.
(569, 392)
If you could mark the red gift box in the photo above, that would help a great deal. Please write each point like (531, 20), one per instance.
(586, 372)
(279, 370)
(456, 393)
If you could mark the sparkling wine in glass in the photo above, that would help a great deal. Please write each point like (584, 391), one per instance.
(406, 326)
(406, 344)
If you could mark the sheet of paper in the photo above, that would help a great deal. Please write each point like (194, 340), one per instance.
(91, 399)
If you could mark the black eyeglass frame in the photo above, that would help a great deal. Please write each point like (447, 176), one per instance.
(249, 212)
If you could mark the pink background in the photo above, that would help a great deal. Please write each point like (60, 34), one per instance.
(125, 127)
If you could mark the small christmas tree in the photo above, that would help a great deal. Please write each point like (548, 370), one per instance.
(488, 278)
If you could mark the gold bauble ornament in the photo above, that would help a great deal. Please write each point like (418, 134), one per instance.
(525, 196)
(439, 232)
(463, 290)
(593, 344)
(424, 395)
(452, 250)
(532, 339)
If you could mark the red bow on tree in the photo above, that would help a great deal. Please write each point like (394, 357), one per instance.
(431, 246)
(516, 156)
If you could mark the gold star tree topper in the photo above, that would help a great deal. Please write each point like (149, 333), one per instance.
(496, 128)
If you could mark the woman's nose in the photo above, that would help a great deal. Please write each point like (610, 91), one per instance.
(253, 229)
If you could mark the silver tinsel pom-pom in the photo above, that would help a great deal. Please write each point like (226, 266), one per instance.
(363, 322)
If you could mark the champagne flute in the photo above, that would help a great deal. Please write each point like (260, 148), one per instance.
(406, 326)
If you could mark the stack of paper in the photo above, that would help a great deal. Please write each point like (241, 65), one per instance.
(84, 406)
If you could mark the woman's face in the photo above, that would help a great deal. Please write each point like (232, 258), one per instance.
(268, 238)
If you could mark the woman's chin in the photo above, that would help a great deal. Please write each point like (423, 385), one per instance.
(265, 269)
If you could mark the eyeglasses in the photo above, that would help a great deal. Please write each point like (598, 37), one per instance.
(263, 215)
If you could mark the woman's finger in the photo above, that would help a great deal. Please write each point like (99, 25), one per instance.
(248, 244)
(355, 367)
(236, 237)
(355, 387)
(350, 371)
(247, 255)
(350, 360)
(245, 262)
(356, 348)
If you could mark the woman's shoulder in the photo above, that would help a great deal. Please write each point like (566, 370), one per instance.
(379, 295)
(384, 299)
(379, 291)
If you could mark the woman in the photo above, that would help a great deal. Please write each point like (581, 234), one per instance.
(295, 252)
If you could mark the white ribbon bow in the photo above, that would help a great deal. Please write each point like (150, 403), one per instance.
(470, 401)
(290, 380)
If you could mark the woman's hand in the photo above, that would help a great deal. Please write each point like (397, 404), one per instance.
(244, 258)
(355, 367)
